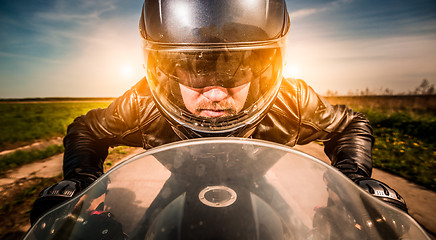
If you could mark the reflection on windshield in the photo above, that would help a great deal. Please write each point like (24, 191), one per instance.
(224, 189)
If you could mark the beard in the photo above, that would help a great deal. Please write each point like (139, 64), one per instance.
(225, 107)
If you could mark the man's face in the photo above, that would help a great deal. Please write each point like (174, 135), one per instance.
(214, 101)
(210, 96)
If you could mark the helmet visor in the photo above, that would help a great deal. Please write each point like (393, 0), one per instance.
(214, 89)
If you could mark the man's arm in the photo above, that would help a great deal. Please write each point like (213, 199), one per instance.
(86, 147)
(89, 137)
(84, 152)
(347, 135)
(350, 150)
(348, 141)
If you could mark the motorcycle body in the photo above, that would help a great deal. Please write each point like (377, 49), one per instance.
(224, 188)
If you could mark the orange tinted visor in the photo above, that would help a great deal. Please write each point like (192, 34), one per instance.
(215, 68)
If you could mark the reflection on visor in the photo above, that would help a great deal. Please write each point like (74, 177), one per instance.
(227, 69)
(178, 79)
(193, 80)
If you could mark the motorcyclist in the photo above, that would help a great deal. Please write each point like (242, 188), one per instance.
(213, 68)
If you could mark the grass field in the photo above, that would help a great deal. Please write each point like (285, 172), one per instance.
(405, 145)
(405, 134)
(19, 158)
(404, 131)
(25, 122)
(404, 128)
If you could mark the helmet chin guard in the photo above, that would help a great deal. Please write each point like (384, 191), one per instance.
(198, 50)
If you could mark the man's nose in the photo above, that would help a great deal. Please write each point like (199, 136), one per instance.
(215, 93)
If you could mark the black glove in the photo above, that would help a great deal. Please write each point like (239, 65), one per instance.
(382, 191)
(63, 191)
(53, 196)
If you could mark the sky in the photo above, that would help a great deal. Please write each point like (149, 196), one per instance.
(83, 48)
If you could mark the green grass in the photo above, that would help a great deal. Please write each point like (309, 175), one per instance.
(20, 158)
(405, 144)
(405, 138)
(24, 122)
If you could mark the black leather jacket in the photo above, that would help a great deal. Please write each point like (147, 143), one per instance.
(298, 116)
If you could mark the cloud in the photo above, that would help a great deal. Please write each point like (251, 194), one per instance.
(79, 12)
(347, 45)
(79, 48)
(301, 13)
(24, 57)
(69, 48)
(396, 62)
(68, 19)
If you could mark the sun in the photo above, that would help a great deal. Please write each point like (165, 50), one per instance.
(126, 70)
(292, 71)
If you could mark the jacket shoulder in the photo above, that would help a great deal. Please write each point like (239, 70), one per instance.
(121, 117)
(141, 88)
(289, 98)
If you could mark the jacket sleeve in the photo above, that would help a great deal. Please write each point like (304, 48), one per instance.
(89, 137)
(347, 135)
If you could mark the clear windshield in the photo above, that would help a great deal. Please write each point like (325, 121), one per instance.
(224, 188)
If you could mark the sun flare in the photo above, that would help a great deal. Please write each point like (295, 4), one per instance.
(292, 71)
(126, 70)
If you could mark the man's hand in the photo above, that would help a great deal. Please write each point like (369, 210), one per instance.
(382, 191)
(53, 196)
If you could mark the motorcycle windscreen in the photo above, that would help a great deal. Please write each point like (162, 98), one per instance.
(225, 188)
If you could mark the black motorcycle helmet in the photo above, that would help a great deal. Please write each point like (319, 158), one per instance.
(193, 46)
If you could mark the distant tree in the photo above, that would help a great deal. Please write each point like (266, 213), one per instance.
(367, 92)
(331, 93)
(431, 91)
(388, 91)
(425, 88)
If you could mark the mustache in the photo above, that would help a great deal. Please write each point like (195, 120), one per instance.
(227, 106)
